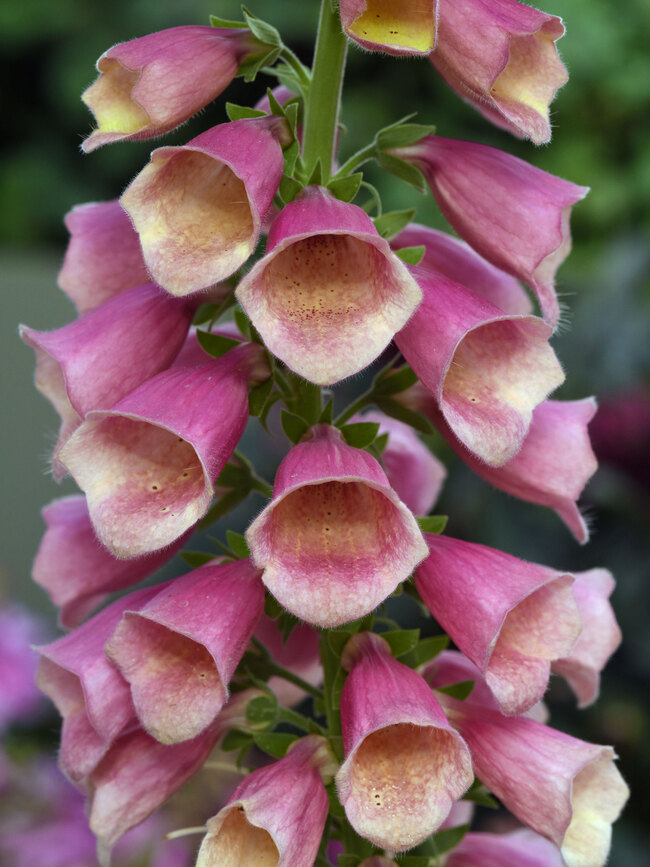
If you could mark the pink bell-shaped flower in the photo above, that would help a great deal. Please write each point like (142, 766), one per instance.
(179, 651)
(329, 294)
(404, 764)
(512, 213)
(103, 257)
(487, 370)
(404, 28)
(599, 638)
(198, 208)
(521, 848)
(276, 816)
(76, 570)
(95, 361)
(148, 465)
(336, 540)
(501, 57)
(510, 617)
(152, 84)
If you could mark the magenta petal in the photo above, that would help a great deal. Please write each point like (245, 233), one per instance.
(198, 208)
(510, 617)
(487, 370)
(196, 630)
(406, 28)
(104, 256)
(521, 848)
(276, 816)
(501, 57)
(336, 539)
(148, 465)
(404, 764)
(76, 570)
(456, 260)
(329, 294)
(599, 638)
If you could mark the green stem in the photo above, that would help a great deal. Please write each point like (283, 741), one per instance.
(291, 60)
(285, 674)
(359, 404)
(298, 720)
(357, 160)
(323, 101)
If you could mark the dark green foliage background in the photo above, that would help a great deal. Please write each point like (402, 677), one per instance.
(601, 139)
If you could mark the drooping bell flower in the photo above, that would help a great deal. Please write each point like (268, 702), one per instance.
(21, 700)
(456, 260)
(150, 85)
(299, 653)
(276, 815)
(404, 764)
(148, 465)
(487, 370)
(335, 540)
(501, 57)
(404, 28)
(415, 474)
(76, 570)
(329, 294)
(599, 638)
(95, 361)
(138, 773)
(87, 688)
(103, 257)
(198, 208)
(179, 651)
(520, 848)
(510, 617)
(563, 788)
(512, 213)
(553, 465)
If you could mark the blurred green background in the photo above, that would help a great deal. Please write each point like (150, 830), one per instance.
(601, 139)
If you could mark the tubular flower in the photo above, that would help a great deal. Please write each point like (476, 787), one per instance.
(553, 465)
(329, 294)
(512, 213)
(487, 370)
(152, 84)
(521, 848)
(404, 764)
(196, 630)
(453, 258)
(198, 208)
(93, 362)
(336, 539)
(148, 465)
(501, 57)
(407, 27)
(276, 816)
(599, 638)
(103, 257)
(510, 617)
(76, 570)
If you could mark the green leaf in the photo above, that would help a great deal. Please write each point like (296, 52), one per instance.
(360, 434)
(235, 739)
(291, 155)
(238, 544)
(411, 255)
(204, 314)
(263, 31)
(293, 426)
(272, 607)
(215, 344)
(403, 170)
(337, 639)
(291, 110)
(349, 860)
(243, 323)
(327, 415)
(336, 808)
(403, 135)
(316, 176)
(262, 710)
(233, 476)
(237, 112)
(275, 744)
(215, 21)
(395, 410)
(258, 397)
(395, 382)
(460, 690)
(432, 523)
(425, 650)
(307, 404)
(479, 794)
(346, 188)
(392, 222)
(401, 641)
(250, 67)
(450, 837)
(289, 188)
(224, 505)
(196, 558)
